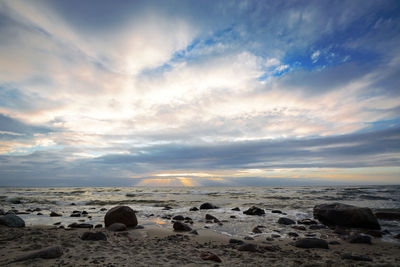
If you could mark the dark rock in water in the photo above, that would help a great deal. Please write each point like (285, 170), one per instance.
(311, 243)
(286, 221)
(72, 204)
(167, 208)
(207, 206)
(194, 209)
(374, 233)
(209, 256)
(395, 216)
(211, 218)
(75, 215)
(178, 218)
(46, 253)
(81, 225)
(248, 238)
(194, 232)
(15, 201)
(248, 247)
(334, 243)
(181, 227)
(139, 227)
(103, 209)
(121, 214)
(232, 216)
(316, 226)
(12, 220)
(360, 239)
(76, 211)
(254, 211)
(117, 227)
(84, 212)
(37, 209)
(276, 211)
(39, 213)
(346, 215)
(292, 234)
(299, 227)
(188, 219)
(307, 222)
(397, 236)
(349, 256)
(257, 230)
(236, 241)
(94, 236)
(236, 209)
(57, 223)
(55, 214)
(98, 226)
(2, 212)
(275, 236)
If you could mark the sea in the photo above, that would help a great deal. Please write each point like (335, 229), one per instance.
(34, 205)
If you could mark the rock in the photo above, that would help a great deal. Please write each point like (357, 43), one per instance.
(209, 256)
(334, 242)
(341, 231)
(46, 253)
(37, 209)
(257, 230)
(139, 227)
(232, 216)
(54, 214)
(94, 236)
(40, 214)
(236, 209)
(374, 233)
(178, 218)
(286, 221)
(15, 201)
(299, 227)
(57, 223)
(316, 226)
(84, 212)
(360, 239)
(349, 256)
(397, 236)
(275, 236)
(248, 247)
(167, 208)
(117, 227)
(75, 215)
(98, 226)
(235, 241)
(311, 243)
(346, 215)
(395, 216)
(211, 218)
(292, 234)
(12, 220)
(276, 211)
(181, 227)
(80, 225)
(307, 222)
(2, 212)
(121, 214)
(103, 209)
(254, 211)
(194, 209)
(248, 238)
(194, 232)
(207, 206)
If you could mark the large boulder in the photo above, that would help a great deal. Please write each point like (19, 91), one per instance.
(121, 214)
(181, 227)
(12, 220)
(286, 221)
(346, 215)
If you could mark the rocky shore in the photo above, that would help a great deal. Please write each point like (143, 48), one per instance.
(337, 235)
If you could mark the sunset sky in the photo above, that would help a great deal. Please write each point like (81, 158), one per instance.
(182, 93)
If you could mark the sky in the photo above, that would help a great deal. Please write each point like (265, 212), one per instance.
(199, 93)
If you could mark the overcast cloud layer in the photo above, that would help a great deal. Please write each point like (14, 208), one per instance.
(199, 92)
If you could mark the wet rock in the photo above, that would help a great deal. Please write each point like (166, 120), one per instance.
(139, 227)
(349, 256)
(360, 239)
(178, 218)
(103, 209)
(55, 214)
(181, 227)
(98, 226)
(194, 232)
(286, 221)
(334, 243)
(341, 231)
(81, 225)
(84, 212)
(37, 209)
(39, 213)
(248, 238)
(232, 216)
(188, 219)
(276, 211)
(397, 236)
(346, 215)
(275, 236)
(94, 236)
(207, 206)
(374, 233)
(57, 223)
(235, 241)
(257, 230)
(299, 227)
(72, 204)
(121, 214)
(75, 215)
(15, 201)
(117, 227)
(209, 217)
(254, 211)
(2, 212)
(311, 243)
(292, 234)
(316, 226)
(46, 253)
(307, 222)
(248, 247)
(236, 209)
(167, 208)
(394, 216)
(12, 220)
(209, 256)
(194, 209)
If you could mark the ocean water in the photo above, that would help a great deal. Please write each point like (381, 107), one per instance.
(295, 202)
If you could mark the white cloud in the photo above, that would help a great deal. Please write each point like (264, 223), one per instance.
(315, 56)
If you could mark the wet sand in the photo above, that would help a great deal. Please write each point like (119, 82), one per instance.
(155, 246)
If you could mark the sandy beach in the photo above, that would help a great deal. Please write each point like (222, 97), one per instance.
(163, 247)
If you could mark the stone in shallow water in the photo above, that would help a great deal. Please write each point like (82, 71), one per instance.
(12, 220)
(181, 227)
(94, 236)
(55, 214)
(285, 221)
(194, 209)
(207, 206)
(178, 218)
(254, 211)
(121, 214)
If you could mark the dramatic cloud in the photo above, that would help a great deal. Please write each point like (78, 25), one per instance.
(100, 92)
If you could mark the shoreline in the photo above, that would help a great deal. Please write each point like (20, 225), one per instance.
(159, 246)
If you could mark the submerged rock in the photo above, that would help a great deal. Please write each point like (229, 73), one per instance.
(94, 236)
(236, 209)
(207, 206)
(121, 214)
(12, 220)
(346, 215)
(254, 211)
(311, 243)
(181, 227)
(286, 221)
